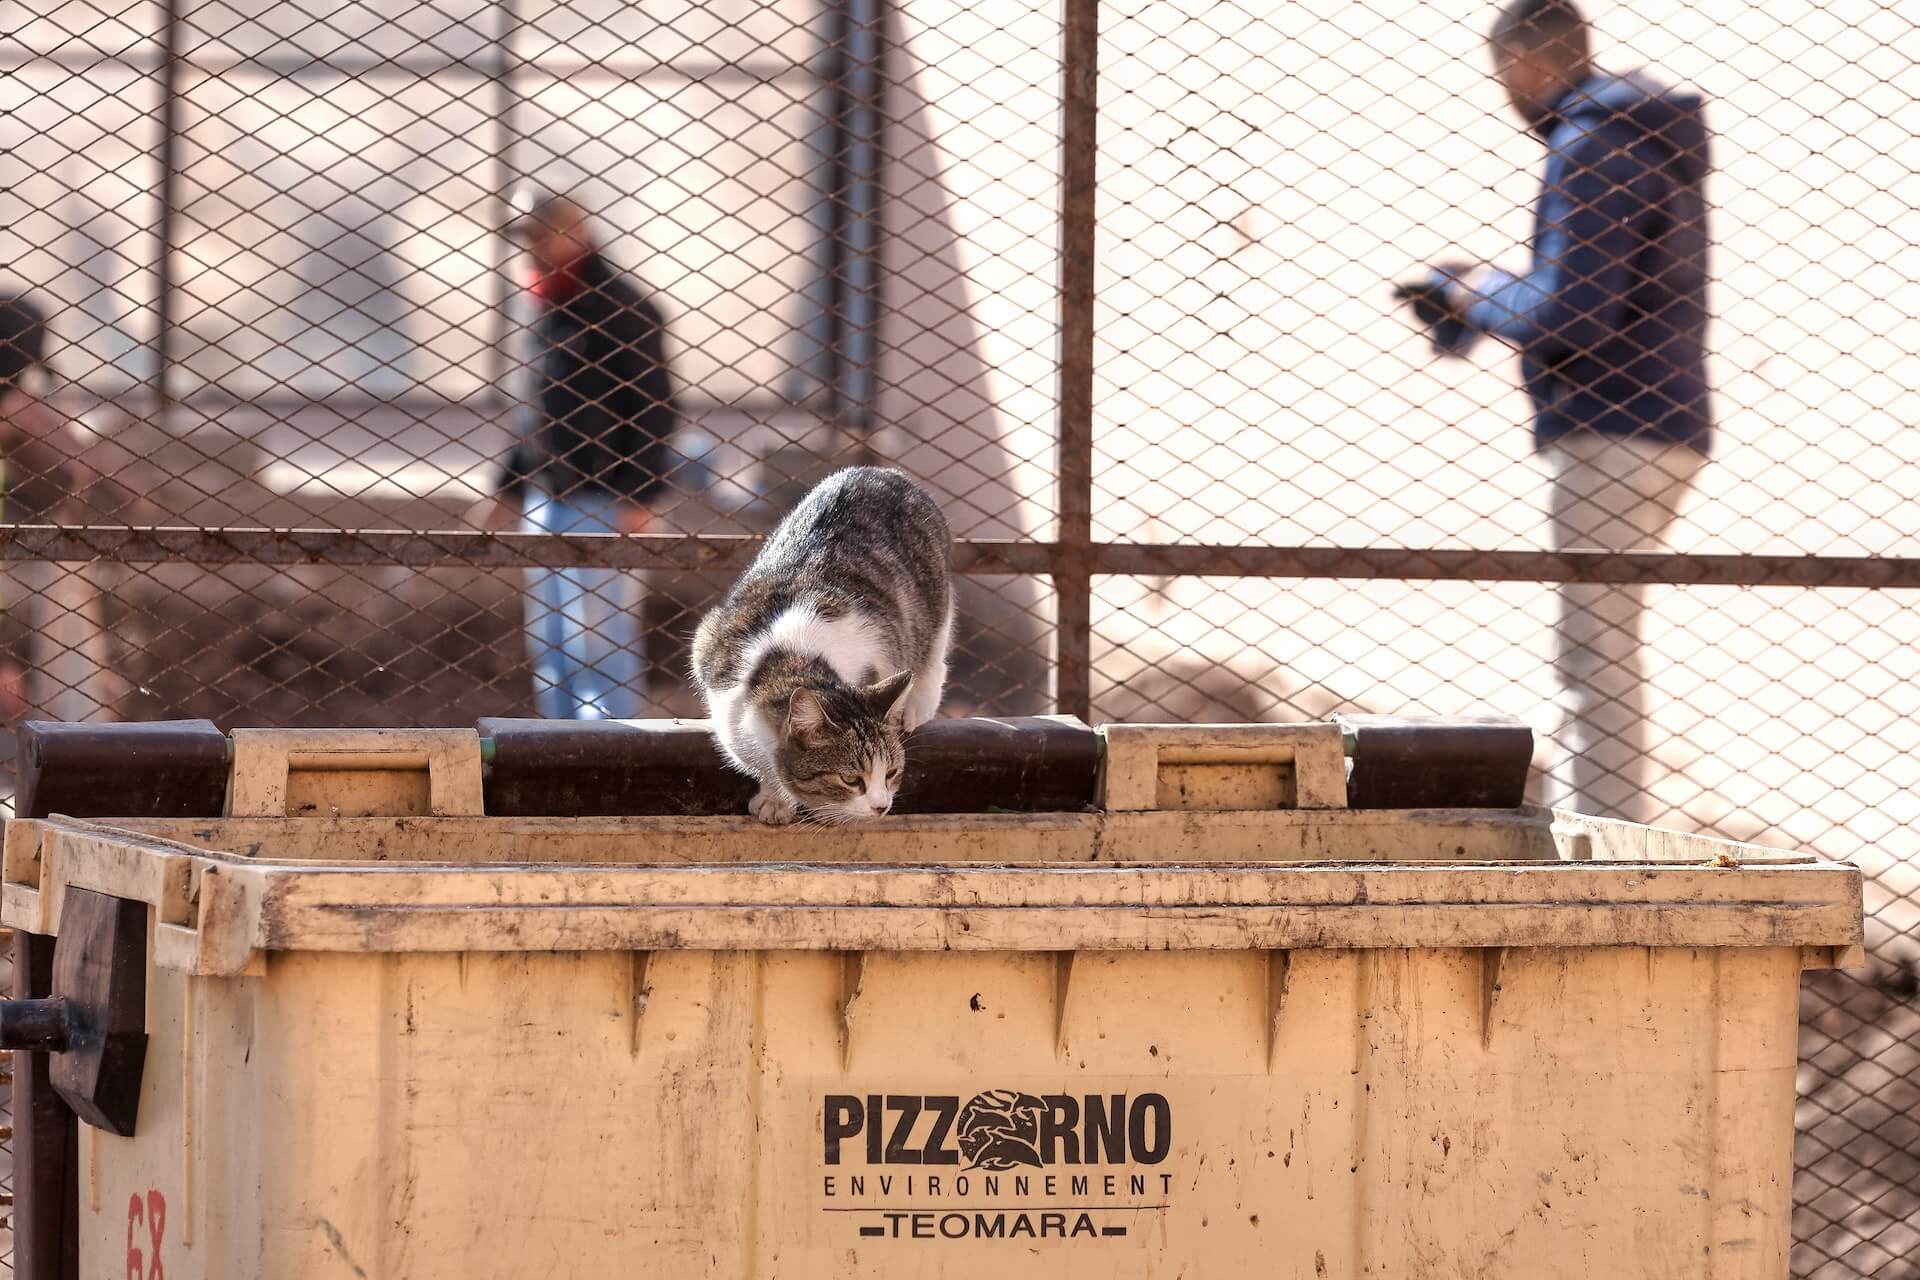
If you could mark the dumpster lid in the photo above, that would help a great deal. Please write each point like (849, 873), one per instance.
(557, 768)
(588, 768)
(220, 911)
(155, 769)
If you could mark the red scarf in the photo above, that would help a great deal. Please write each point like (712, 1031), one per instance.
(556, 288)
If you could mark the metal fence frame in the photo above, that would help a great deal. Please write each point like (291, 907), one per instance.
(1070, 561)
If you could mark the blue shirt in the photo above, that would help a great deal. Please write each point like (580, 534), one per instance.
(1610, 320)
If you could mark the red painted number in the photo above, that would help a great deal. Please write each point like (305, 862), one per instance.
(152, 1213)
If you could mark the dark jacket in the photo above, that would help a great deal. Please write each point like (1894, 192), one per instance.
(1611, 320)
(37, 471)
(602, 415)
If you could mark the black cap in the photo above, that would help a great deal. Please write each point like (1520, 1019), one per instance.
(23, 337)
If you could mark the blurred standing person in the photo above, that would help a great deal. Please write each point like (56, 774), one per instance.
(592, 457)
(41, 478)
(37, 442)
(36, 452)
(1610, 322)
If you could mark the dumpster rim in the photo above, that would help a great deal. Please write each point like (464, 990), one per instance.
(219, 913)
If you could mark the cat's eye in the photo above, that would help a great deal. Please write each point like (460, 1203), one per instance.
(893, 777)
(852, 781)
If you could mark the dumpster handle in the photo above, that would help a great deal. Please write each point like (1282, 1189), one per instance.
(36, 1026)
(1147, 765)
(266, 760)
(93, 1024)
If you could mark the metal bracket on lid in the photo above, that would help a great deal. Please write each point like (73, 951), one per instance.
(1224, 767)
(297, 773)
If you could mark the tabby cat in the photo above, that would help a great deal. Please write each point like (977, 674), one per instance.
(832, 647)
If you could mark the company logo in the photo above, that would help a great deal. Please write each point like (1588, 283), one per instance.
(1000, 1130)
(997, 1164)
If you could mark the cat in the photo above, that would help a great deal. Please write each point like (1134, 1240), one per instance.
(832, 647)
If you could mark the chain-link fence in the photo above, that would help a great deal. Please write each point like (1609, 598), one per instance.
(316, 441)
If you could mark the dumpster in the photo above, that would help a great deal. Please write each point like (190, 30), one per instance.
(1211, 1001)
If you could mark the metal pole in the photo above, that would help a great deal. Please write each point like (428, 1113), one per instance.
(1072, 578)
(862, 89)
(839, 192)
(163, 345)
(505, 98)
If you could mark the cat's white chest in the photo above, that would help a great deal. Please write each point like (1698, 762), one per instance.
(735, 724)
(850, 644)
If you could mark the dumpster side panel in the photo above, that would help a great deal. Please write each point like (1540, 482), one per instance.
(1555, 1113)
(134, 1192)
(193, 1188)
(1111, 1082)
(1609, 1104)
(1424, 1113)
(521, 1114)
(386, 1115)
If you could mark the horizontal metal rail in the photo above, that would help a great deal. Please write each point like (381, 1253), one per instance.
(723, 553)
(144, 55)
(138, 403)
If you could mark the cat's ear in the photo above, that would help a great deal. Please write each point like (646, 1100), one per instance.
(807, 718)
(889, 697)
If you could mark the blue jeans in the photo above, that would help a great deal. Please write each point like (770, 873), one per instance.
(583, 636)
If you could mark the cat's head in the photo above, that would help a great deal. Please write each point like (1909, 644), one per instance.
(839, 751)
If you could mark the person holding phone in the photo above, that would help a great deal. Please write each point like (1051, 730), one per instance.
(1610, 322)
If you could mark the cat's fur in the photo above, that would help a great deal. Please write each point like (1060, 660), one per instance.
(832, 647)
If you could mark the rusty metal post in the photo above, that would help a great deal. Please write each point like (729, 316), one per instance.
(46, 1217)
(505, 178)
(163, 301)
(1072, 572)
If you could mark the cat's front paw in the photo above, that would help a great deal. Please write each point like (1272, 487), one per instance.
(772, 808)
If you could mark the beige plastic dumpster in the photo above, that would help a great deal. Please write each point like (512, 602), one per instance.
(1095, 1044)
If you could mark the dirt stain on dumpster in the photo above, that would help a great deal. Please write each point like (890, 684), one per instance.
(339, 1245)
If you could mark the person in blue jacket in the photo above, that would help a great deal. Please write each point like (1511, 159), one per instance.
(1610, 324)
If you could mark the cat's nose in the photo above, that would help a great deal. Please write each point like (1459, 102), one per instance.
(880, 807)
